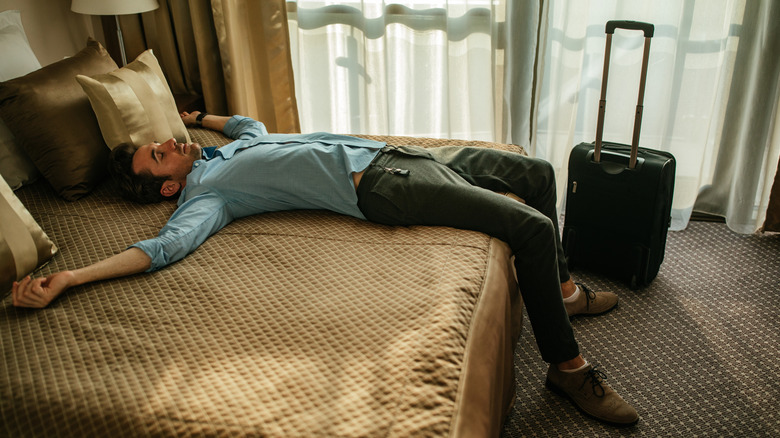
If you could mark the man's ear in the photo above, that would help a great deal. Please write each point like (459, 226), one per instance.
(170, 188)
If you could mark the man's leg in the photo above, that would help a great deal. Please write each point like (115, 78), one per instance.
(433, 194)
(533, 180)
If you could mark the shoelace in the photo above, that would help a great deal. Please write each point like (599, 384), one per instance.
(590, 295)
(595, 377)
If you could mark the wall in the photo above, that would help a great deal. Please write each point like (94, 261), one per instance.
(54, 31)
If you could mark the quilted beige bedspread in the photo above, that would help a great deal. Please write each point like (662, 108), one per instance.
(294, 324)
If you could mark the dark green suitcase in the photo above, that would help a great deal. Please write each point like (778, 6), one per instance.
(619, 197)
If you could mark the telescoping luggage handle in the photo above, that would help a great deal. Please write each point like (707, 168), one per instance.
(648, 29)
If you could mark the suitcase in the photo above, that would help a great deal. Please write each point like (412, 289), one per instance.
(619, 197)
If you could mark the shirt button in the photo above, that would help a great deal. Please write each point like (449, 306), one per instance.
(197, 164)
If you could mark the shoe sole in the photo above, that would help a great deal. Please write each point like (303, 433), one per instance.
(554, 388)
(594, 314)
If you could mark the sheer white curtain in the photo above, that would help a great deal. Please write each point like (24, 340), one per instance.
(422, 67)
(711, 96)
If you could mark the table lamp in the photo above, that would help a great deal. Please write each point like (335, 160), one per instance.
(115, 8)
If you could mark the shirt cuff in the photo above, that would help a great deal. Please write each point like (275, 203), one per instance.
(239, 125)
(153, 249)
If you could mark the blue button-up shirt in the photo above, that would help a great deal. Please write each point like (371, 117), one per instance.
(257, 173)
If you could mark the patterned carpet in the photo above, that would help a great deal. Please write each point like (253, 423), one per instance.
(696, 353)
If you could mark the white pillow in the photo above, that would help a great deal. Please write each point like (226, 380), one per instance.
(18, 60)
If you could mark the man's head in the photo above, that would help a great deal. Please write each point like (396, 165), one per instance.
(152, 172)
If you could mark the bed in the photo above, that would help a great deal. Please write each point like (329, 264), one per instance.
(299, 323)
(303, 323)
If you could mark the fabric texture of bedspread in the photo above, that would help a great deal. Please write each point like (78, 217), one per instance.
(302, 323)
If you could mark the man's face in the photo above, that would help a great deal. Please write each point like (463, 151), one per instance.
(169, 159)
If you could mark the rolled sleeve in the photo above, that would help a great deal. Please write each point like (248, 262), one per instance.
(244, 128)
(191, 224)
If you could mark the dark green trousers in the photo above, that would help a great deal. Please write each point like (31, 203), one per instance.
(456, 187)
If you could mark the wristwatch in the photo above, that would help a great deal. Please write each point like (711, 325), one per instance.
(199, 119)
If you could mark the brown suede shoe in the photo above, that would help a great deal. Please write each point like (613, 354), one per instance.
(587, 389)
(591, 303)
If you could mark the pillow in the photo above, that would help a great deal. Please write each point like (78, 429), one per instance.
(23, 245)
(15, 166)
(18, 60)
(50, 116)
(134, 104)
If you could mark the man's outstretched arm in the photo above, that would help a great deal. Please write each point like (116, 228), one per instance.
(40, 292)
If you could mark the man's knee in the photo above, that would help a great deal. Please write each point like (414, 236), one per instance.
(544, 170)
(544, 226)
(536, 230)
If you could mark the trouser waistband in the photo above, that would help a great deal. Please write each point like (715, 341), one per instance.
(413, 151)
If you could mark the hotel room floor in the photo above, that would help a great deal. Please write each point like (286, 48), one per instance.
(696, 352)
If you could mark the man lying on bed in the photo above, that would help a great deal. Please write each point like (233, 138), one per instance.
(448, 186)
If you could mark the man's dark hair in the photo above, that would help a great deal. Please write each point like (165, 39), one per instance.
(141, 187)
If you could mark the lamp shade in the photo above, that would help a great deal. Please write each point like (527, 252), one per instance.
(113, 7)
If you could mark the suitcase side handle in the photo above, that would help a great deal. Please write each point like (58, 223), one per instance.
(648, 30)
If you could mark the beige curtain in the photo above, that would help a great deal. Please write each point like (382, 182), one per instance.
(233, 53)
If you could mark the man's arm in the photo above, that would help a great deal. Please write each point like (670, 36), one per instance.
(40, 292)
(215, 123)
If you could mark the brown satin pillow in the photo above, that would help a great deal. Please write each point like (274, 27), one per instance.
(23, 244)
(18, 59)
(134, 104)
(50, 116)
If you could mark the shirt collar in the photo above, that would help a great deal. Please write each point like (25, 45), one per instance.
(208, 152)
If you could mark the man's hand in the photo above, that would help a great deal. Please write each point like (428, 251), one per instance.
(38, 293)
(189, 118)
